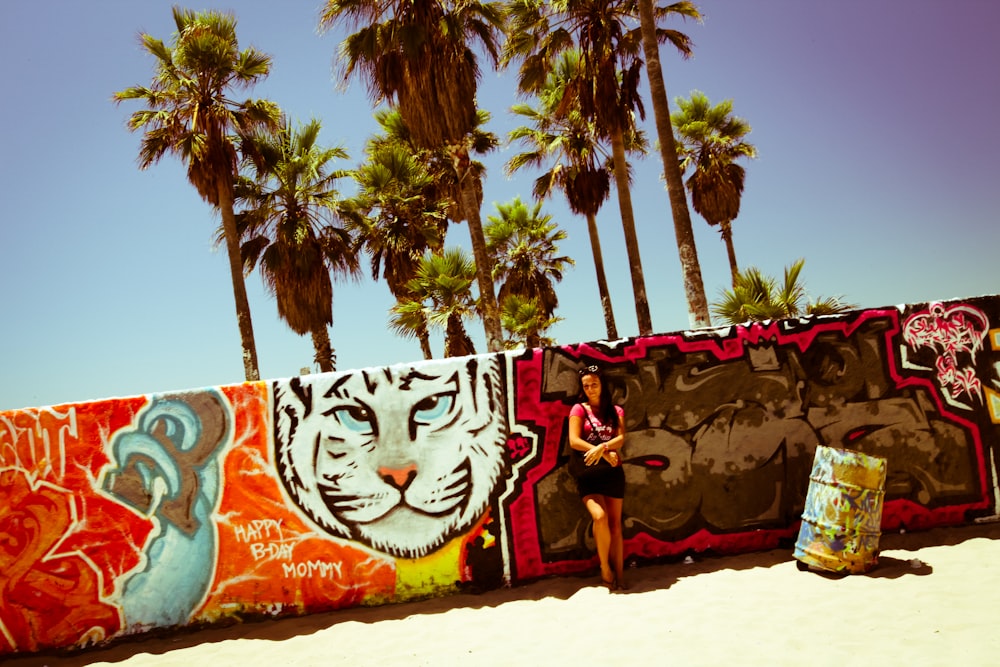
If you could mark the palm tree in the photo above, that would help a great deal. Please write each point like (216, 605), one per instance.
(441, 295)
(523, 243)
(398, 214)
(191, 115)
(606, 86)
(578, 162)
(756, 297)
(712, 139)
(438, 162)
(526, 323)
(416, 55)
(652, 37)
(291, 227)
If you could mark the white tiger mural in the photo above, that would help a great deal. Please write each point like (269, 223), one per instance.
(401, 458)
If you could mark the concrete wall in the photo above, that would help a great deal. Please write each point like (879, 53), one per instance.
(381, 485)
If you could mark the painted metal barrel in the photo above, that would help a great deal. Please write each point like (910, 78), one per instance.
(842, 519)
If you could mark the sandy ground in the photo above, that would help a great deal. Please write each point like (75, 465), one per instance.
(932, 600)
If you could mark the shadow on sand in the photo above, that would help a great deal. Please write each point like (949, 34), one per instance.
(642, 579)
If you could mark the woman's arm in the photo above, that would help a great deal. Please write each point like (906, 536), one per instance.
(591, 453)
(575, 433)
(612, 448)
(616, 442)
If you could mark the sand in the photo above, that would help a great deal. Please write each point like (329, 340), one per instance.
(930, 601)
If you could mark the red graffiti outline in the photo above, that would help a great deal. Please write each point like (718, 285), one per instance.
(530, 409)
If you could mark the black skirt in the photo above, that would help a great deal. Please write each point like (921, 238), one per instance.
(599, 479)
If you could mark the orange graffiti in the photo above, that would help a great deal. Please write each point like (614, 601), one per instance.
(63, 543)
(51, 597)
(270, 559)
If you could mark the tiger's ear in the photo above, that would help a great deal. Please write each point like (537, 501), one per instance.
(292, 399)
(489, 374)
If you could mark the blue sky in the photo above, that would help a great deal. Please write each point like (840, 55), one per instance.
(875, 123)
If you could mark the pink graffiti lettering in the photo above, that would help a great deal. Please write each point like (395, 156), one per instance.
(951, 332)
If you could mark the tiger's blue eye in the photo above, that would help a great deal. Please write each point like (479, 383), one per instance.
(433, 407)
(355, 418)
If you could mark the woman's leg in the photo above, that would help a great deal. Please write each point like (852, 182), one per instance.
(602, 536)
(616, 549)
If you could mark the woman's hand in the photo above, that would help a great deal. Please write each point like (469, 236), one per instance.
(594, 454)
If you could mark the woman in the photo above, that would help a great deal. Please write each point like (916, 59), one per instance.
(596, 434)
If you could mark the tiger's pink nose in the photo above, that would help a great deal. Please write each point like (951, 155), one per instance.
(398, 477)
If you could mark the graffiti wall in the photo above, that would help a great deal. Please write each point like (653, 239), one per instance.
(389, 484)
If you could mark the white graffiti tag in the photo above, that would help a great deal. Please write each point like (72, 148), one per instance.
(951, 332)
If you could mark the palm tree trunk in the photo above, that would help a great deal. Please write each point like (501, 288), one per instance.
(694, 287)
(250, 368)
(488, 308)
(425, 342)
(602, 280)
(631, 242)
(726, 230)
(423, 335)
(456, 340)
(324, 351)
